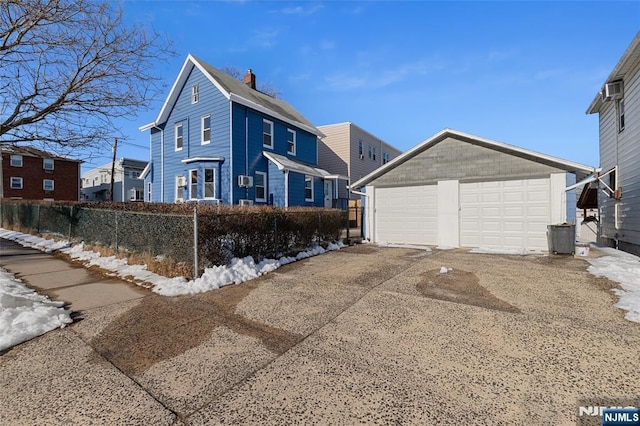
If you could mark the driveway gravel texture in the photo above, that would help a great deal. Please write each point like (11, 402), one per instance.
(364, 335)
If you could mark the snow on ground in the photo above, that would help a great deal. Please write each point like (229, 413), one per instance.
(512, 251)
(25, 314)
(623, 268)
(236, 272)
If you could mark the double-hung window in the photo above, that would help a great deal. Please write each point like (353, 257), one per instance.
(149, 192)
(206, 129)
(16, 183)
(373, 151)
(385, 157)
(361, 149)
(193, 184)
(47, 164)
(16, 161)
(195, 96)
(308, 188)
(267, 133)
(291, 142)
(260, 183)
(179, 136)
(47, 184)
(209, 183)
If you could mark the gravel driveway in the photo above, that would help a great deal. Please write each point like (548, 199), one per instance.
(363, 335)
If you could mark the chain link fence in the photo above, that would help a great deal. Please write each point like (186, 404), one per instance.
(202, 237)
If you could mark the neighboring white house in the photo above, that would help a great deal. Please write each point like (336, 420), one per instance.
(461, 190)
(618, 182)
(127, 184)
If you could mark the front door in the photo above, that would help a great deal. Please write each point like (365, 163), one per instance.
(328, 194)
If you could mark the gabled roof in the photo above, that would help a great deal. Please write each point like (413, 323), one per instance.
(287, 164)
(29, 151)
(626, 63)
(236, 91)
(476, 140)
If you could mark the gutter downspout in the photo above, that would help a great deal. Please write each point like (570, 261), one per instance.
(246, 148)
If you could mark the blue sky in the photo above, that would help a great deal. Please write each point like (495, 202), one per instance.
(517, 72)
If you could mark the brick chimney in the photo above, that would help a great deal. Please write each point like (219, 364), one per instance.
(250, 79)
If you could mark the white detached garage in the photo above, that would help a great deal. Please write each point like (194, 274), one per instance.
(460, 190)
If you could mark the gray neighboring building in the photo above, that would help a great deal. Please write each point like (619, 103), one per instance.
(349, 150)
(618, 182)
(127, 185)
(460, 190)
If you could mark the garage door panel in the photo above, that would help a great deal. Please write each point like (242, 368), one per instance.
(406, 215)
(507, 214)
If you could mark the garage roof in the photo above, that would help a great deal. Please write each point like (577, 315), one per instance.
(581, 169)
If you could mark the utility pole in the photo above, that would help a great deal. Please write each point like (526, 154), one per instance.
(113, 166)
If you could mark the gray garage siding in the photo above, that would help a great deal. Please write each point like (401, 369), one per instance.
(452, 159)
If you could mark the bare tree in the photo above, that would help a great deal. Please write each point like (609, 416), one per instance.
(265, 87)
(69, 67)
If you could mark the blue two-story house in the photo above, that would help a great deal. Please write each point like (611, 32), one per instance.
(220, 140)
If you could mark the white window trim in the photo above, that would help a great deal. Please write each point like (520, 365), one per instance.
(16, 157)
(620, 115)
(265, 121)
(195, 94)
(292, 132)
(175, 142)
(204, 183)
(44, 184)
(308, 178)
(190, 184)
(264, 181)
(44, 164)
(18, 179)
(202, 129)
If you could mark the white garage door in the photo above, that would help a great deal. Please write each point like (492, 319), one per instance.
(406, 215)
(509, 214)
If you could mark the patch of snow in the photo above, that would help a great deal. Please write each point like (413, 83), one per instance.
(444, 270)
(623, 268)
(25, 314)
(445, 247)
(236, 272)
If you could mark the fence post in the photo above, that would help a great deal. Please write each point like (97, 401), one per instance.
(70, 220)
(195, 243)
(116, 213)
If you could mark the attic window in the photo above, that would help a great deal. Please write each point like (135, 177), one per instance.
(194, 94)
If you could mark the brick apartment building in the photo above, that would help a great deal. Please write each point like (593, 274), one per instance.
(31, 174)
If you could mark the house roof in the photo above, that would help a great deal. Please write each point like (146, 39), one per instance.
(236, 91)
(285, 163)
(29, 151)
(626, 63)
(476, 140)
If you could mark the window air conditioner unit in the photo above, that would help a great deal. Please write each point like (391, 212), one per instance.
(614, 90)
(245, 202)
(245, 181)
(182, 181)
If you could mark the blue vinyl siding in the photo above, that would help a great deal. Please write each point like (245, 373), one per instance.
(211, 101)
(232, 125)
(247, 162)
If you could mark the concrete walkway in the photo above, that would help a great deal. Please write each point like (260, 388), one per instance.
(79, 287)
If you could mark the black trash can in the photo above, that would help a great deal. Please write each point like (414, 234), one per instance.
(561, 238)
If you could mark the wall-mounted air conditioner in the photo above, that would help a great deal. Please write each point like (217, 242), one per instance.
(181, 181)
(613, 90)
(245, 202)
(245, 181)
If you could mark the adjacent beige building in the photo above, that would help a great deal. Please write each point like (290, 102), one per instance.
(348, 150)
